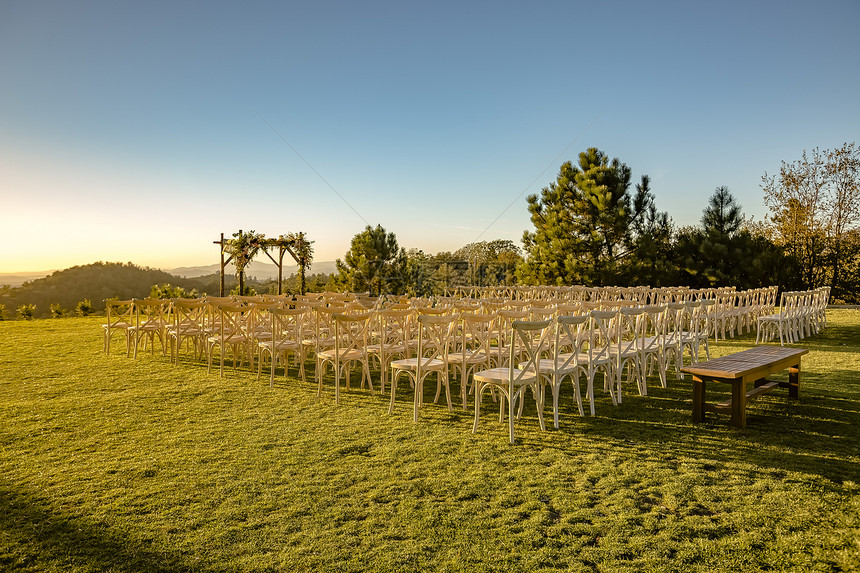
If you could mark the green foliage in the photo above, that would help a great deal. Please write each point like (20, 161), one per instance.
(26, 311)
(166, 290)
(745, 260)
(585, 224)
(314, 282)
(491, 262)
(84, 308)
(2, 312)
(304, 252)
(97, 282)
(725, 252)
(652, 257)
(243, 247)
(723, 215)
(57, 310)
(374, 263)
(248, 290)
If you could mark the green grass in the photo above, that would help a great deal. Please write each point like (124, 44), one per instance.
(109, 463)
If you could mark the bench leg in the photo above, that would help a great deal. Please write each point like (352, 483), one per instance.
(698, 400)
(794, 381)
(739, 404)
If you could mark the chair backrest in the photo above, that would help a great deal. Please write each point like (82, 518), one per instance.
(258, 320)
(570, 341)
(392, 326)
(287, 323)
(602, 333)
(232, 320)
(350, 331)
(541, 312)
(435, 333)
(188, 315)
(630, 328)
(529, 341)
(119, 313)
(654, 319)
(151, 311)
(477, 332)
(323, 333)
(505, 332)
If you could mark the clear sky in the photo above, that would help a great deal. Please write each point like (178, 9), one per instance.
(140, 131)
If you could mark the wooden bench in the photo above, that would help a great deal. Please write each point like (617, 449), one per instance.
(753, 365)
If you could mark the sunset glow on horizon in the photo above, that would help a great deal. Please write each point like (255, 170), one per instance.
(140, 132)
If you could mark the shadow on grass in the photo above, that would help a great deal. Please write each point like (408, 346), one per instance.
(816, 435)
(43, 538)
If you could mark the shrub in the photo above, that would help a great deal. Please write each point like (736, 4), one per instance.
(57, 310)
(165, 290)
(2, 311)
(26, 311)
(84, 308)
(249, 291)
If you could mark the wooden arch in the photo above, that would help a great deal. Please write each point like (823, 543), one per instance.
(290, 244)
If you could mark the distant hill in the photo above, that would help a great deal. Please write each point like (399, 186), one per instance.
(17, 279)
(96, 282)
(99, 281)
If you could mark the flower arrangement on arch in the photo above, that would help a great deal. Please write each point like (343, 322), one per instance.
(243, 247)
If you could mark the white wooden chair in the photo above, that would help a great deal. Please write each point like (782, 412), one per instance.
(350, 347)
(230, 335)
(150, 322)
(474, 349)
(651, 345)
(624, 349)
(435, 332)
(284, 340)
(119, 316)
(188, 325)
(388, 339)
(601, 335)
(569, 359)
(527, 339)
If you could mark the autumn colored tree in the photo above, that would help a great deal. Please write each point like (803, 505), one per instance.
(814, 208)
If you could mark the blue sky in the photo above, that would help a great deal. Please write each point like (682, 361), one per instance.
(139, 131)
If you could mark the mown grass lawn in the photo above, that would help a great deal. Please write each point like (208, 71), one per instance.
(109, 463)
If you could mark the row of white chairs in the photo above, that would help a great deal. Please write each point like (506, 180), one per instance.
(486, 343)
(800, 314)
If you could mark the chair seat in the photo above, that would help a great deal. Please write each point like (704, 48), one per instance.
(468, 357)
(387, 348)
(351, 354)
(280, 345)
(232, 339)
(595, 360)
(628, 350)
(502, 375)
(547, 365)
(412, 364)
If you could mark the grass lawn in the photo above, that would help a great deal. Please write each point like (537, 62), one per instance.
(114, 464)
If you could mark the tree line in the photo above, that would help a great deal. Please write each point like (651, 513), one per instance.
(593, 226)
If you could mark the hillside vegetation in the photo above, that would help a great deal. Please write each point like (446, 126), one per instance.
(95, 282)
